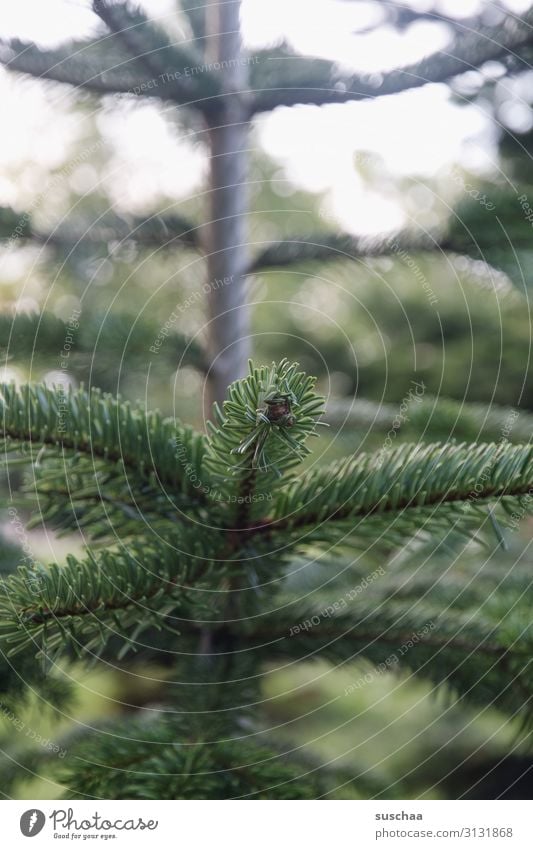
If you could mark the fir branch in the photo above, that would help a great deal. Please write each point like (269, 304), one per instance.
(99, 426)
(96, 66)
(479, 647)
(85, 65)
(151, 48)
(401, 17)
(135, 32)
(483, 655)
(322, 247)
(82, 605)
(283, 79)
(163, 231)
(22, 679)
(43, 334)
(495, 231)
(78, 493)
(194, 11)
(444, 418)
(318, 247)
(161, 761)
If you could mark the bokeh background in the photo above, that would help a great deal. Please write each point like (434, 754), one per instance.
(448, 160)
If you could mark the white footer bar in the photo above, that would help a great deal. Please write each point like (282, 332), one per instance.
(266, 825)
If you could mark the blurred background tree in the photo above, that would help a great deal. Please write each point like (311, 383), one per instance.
(102, 259)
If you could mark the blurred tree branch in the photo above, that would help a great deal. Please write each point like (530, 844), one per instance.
(317, 247)
(149, 46)
(117, 63)
(281, 78)
(43, 334)
(194, 12)
(443, 418)
(158, 230)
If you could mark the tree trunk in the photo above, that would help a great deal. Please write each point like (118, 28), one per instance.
(228, 312)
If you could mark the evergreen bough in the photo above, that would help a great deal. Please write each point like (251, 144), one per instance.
(192, 561)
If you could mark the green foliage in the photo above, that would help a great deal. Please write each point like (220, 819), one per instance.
(408, 488)
(85, 65)
(280, 80)
(210, 540)
(496, 231)
(97, 462)
(148, 45)
(443, 418)
(395, 334)
(99, 426)
(248, 447)
(148, 761)
(315, 247)
(162, 231)
(195, 15)
(21, 678)
(26, 337)
(83, 604)
(461, 626)
(117, 62)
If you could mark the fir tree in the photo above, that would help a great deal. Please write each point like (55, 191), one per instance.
(195, 539)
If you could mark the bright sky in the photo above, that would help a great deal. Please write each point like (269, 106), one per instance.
(419, 133)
